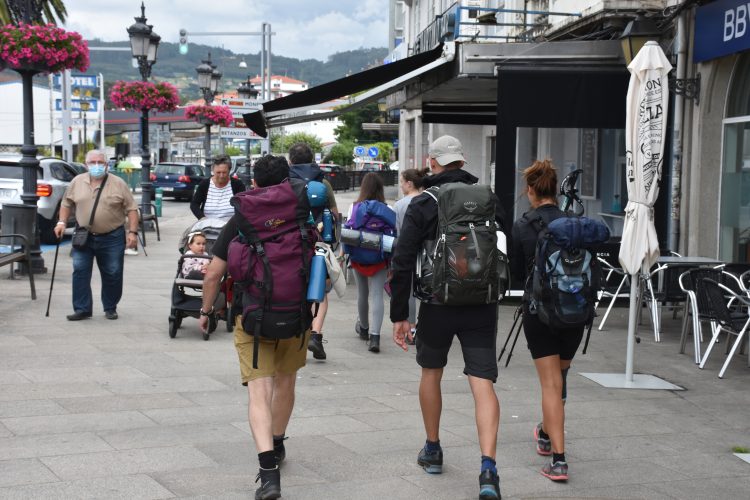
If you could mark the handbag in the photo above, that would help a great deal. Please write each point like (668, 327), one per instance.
(81, 234)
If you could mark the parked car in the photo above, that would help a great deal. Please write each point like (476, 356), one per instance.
(372, 166)
(78, 167)
(177, 180)
(331, 169)
(53, 177)
(243, 171)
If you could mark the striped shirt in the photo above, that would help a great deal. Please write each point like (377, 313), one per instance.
(217, 201)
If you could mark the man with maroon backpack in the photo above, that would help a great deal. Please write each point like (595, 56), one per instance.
(267, 247)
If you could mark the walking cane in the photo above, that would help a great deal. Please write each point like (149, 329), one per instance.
(513, 346)
(52, 282)
(516, 315)
(142, 245)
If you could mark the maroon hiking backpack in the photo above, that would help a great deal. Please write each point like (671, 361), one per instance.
(270, 261)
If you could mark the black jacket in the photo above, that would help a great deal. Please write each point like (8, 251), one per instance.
(420, 225)
(201, 193)
(524, 239)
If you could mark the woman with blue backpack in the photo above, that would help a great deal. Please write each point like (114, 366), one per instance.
(370, 214)
(552, 349)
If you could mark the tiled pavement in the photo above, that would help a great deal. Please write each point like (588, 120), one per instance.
(117, 409)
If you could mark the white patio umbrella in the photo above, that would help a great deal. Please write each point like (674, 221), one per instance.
(645, 129)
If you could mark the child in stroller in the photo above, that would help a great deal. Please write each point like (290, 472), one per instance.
(187, 289)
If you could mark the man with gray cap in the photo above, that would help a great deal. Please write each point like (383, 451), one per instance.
(474, 325)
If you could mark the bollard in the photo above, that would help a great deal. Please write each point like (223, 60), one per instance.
(157, 200)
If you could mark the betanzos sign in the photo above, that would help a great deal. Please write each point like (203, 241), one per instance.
(721, 28)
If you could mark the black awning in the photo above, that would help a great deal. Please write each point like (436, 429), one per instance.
(373, 78)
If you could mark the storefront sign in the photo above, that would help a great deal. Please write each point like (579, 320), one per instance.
(721, 28)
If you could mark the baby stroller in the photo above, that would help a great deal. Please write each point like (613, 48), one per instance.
(187, 290)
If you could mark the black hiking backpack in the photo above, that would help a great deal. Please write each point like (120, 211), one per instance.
(565, 278)
(463, 265)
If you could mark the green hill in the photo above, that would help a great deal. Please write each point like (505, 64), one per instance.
(180, 69)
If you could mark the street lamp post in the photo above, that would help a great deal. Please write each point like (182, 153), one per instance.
(85, 106)
(144, 44)
(208, 82)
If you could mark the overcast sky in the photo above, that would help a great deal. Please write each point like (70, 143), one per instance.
(304, 28)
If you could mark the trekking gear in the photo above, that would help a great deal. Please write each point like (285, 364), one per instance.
(370, 216)
(315, 346)
(571, 203)
(556, 471)
(316, 289)
(327, 226)
(270, 261)
(463, 265)
(431, 461)
(565, 277)
(516, 321)
(489, 485)
(543, 445)
(270, 484)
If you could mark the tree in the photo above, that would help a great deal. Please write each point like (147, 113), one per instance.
(52, 11)
(281, 143)
(351, 128)
(341, 154)
(233, 151)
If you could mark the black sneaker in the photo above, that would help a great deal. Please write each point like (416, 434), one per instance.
(374, 343)
(270, 484)
(489, 486)
(280, 452)
(364, 333)
(431, 461)
(316, 346)
(78, 316)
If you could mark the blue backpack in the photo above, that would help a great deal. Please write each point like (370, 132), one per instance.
(370, 216)
(566, 275)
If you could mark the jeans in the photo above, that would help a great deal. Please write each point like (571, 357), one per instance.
(109, 251)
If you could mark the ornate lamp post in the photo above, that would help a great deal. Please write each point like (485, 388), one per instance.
(208, 82)
(85, 106)
(144, 44)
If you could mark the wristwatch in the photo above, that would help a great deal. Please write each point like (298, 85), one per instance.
(133, 232)
(204, 313)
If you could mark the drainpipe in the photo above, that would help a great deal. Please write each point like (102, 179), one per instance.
(679, 104)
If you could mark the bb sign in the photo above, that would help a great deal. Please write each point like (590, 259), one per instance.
(721, 28)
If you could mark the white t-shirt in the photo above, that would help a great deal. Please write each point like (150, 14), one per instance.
(217, 201)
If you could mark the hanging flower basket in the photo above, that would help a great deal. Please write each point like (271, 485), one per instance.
(42, 48)
(139, 96)
(210, 115)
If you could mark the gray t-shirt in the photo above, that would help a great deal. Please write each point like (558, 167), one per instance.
(400, 209)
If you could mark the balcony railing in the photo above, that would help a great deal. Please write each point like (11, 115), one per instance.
(463, 21)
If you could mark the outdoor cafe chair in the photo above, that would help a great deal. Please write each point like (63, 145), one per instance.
(697, 306)
(732, 323)
(608, 273)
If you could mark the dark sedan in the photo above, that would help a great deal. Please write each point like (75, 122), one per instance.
(177, 179)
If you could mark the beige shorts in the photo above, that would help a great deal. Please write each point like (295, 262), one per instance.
(282, 356)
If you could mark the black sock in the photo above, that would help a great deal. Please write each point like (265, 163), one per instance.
(543, 434)
(278, 442)
(558, 457)
(267, 460)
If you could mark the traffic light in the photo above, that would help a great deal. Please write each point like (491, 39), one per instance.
(183, 42)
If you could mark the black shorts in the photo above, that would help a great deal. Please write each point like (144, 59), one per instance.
(544, 341)
(476, 329)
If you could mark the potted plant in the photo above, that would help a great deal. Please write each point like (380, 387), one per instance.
(210, 115)
(140, 96)
(42, 48)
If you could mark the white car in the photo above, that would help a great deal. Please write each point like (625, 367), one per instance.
(53, 177)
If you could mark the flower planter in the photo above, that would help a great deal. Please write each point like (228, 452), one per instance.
(42, 49)
(139, 96)
(210, 115)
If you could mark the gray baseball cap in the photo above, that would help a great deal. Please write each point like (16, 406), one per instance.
(446, 149)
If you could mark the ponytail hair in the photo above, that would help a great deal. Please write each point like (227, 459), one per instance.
(415, 176)
(542, 176)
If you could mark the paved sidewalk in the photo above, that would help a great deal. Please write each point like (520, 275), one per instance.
(117, 409)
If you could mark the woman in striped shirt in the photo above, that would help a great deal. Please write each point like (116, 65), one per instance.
(211, 198)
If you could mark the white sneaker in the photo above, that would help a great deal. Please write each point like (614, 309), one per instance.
(131, 251)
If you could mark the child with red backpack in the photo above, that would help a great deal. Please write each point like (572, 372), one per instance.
(370, 214)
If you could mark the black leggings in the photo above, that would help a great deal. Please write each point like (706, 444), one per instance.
(545, 341)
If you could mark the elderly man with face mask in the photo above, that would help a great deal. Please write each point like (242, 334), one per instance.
(107, 234)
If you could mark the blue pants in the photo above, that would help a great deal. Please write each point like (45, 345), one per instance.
(109, 251)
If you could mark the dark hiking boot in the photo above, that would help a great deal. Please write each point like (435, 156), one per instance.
(270, 484)
(374, 344)
(431, 461)
(489, 485)
(364, 333)
(315, 346)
